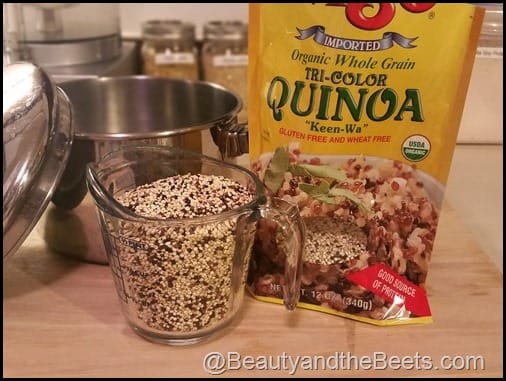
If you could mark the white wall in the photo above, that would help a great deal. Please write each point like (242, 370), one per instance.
(132, 15)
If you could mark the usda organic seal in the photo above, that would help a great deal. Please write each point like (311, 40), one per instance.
(416, 147)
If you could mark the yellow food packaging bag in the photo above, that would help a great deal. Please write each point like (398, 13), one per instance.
(354, 111)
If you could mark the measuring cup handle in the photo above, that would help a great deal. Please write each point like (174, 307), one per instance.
(292, 230)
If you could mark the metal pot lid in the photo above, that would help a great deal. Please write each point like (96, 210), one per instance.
(37, 138)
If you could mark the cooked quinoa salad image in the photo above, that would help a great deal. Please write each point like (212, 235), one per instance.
(358, 211)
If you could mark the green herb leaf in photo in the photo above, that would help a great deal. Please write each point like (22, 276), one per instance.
(275, 172)
(319, 192)
(323, 171)
(350, 196)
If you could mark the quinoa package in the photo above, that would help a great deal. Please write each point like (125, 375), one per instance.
(354, 115)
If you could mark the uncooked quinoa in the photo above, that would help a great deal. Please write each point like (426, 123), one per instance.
(178, 276)
(186, 196)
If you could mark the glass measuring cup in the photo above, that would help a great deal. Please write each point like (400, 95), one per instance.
(181, 280)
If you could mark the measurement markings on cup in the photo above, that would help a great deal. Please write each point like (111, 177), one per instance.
(115, 263)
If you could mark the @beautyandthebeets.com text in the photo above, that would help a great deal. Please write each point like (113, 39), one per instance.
(217, 363)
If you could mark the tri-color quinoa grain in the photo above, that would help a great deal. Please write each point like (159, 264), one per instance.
(178, 275)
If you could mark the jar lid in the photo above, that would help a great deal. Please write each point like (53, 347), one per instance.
(168, 30)
(225, 30)
(37, 138)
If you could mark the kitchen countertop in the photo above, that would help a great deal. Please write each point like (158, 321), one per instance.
(62, 317)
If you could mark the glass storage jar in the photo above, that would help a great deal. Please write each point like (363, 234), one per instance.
(225, 58)
(169, 50)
